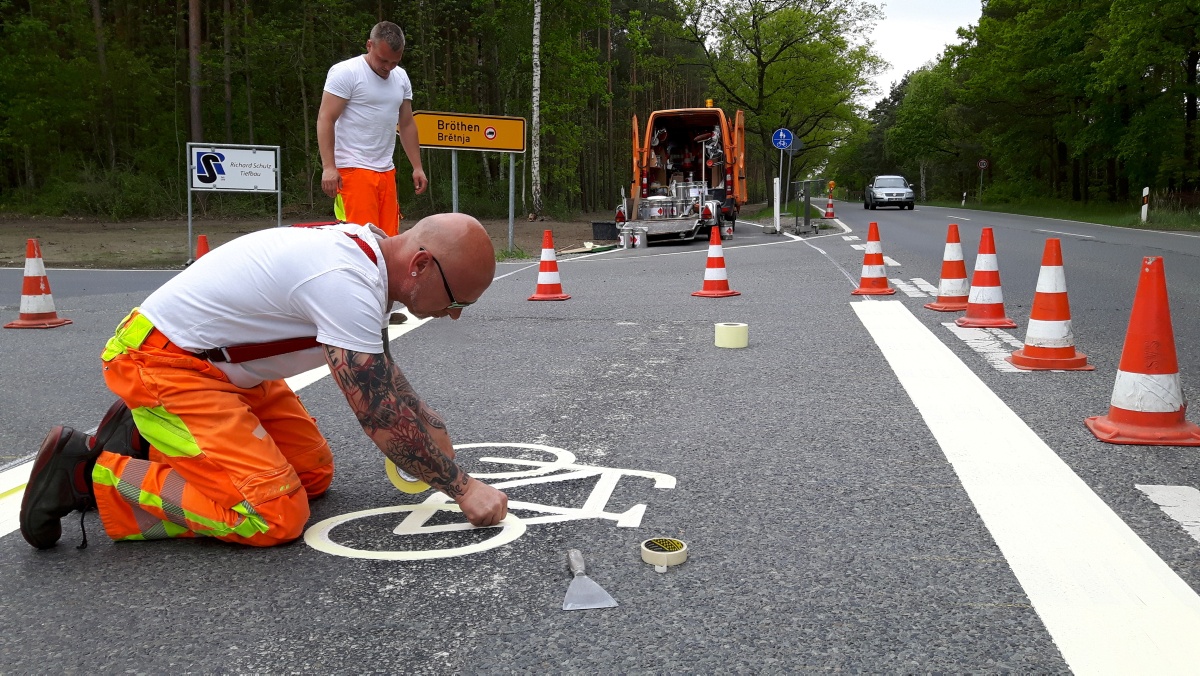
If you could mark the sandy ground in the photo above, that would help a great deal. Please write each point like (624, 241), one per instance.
(164, 244)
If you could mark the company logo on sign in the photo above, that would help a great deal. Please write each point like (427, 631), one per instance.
(208, 166)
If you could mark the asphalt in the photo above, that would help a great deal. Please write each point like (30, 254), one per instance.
(826, 529)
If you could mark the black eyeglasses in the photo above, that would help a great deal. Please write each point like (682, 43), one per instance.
(454, 305)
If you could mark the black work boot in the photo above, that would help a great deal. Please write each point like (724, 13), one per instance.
(118, 434)
(59, 483)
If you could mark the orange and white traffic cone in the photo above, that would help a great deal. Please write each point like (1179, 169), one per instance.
(874, 281)
(549, 284)
(829, 206)
(1049, 343)
(37, 303)
(985, 304)
(953, 288)
(201, 245)
(1147, 405)
(716, 280)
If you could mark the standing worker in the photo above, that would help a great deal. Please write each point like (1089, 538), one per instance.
(208, 439)
(367, 102)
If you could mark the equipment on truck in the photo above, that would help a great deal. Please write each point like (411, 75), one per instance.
(689, 174)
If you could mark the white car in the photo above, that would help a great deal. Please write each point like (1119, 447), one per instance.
(885, 191)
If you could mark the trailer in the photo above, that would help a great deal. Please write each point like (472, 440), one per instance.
(689, 174)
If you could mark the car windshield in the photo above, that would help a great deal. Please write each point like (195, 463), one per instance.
(890, 182)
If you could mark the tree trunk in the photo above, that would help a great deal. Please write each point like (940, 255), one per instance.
(102, 60)
(535, 111)
(922, 180)
(309, 172)
(225, 46)
(1189, 127)
(197, 126)
(246, 69)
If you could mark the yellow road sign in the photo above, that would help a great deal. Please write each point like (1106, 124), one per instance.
(470, 132)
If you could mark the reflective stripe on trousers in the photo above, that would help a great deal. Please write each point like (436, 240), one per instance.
(233, 463)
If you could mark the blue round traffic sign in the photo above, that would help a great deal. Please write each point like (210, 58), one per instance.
(782, 139)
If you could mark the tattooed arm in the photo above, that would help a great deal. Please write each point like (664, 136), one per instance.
(408, 432)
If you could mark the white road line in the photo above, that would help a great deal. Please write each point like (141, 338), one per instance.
(850, 238)
(1108, 601)
(925, 286)
(859, 247)
(989, 344)
(1069, 234)
(13, 480)
(1181, 503)
(891, 261)
(958, 218)
(908, 289)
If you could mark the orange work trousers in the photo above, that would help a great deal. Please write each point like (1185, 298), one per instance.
(369, 197)
(238, 464)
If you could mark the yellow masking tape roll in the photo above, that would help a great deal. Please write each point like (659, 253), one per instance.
(664, 551)
(732, 334)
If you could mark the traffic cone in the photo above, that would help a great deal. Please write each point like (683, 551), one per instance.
(716, 281)
(953, 287)
(37, 304)
(829, 207)
(874, 280)
(549, 285)
(1147, 405)
(201, 245)
(985, 304)
(1049, 343)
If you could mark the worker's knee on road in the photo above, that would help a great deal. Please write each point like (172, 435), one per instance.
(317, 481)
(285, 518)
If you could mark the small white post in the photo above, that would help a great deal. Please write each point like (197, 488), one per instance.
(777, 230)
(1145, 203)
(964, 202)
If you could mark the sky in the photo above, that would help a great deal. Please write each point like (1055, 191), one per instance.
(913, 32)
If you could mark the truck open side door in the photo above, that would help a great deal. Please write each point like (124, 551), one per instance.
(739, 139)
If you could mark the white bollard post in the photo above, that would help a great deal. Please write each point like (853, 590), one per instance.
(964, 202)
(777, 205)
(1145, 203)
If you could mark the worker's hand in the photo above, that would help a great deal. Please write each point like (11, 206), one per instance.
(482, 504)
(331, 182)
(419, 181)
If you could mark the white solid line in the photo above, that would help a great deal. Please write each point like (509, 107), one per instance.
(891, 261)
(1109, 602)
(1069, 234)
(1181, 503)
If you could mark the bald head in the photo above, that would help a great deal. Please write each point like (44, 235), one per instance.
(440, 251)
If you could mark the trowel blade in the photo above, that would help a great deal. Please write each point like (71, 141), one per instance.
(584, 594)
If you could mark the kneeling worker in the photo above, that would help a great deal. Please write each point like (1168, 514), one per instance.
(212, 441)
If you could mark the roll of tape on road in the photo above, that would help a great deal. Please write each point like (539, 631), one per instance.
(732, 334)
(663, 552)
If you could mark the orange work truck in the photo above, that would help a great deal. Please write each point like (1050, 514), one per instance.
(689, 173)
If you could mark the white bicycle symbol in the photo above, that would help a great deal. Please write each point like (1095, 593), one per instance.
(562, 468)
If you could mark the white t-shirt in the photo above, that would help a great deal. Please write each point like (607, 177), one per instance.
(365, 133)
(276, 284)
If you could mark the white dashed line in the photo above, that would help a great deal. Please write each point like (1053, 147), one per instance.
(850, 238)
(891, 261)
(1181, 503)
(925, 286)
(907, 289)
(989, 344)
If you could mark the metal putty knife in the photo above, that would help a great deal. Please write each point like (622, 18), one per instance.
(583, 592)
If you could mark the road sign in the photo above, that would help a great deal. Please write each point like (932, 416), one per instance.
(456, 131)
(782, 139)
(983, 164)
